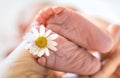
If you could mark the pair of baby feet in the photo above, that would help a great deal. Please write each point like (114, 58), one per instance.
(77, 35)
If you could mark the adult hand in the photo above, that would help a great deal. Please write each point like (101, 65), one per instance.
(21, 64)
(110, 68)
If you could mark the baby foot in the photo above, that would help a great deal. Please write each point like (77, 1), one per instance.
(69, 57)
(75, 27)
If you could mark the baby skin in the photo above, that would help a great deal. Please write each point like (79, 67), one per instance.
(75, 27)
(77, 35)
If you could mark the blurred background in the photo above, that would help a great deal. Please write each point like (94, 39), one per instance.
(16, 15)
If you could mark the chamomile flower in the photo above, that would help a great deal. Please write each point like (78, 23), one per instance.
(40, 41)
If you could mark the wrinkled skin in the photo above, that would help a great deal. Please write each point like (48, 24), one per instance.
(73, 59)
(73, 28)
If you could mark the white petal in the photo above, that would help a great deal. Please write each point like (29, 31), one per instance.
(34, 24)
(32, 50)
(52, 43)
(47, 52)
(48, 33)
(28, 37)
(30, 34)
(52, 48)
(41, 52)
(53, 36)
(35, 31)
(42, 30)
(27, 46)
(36, 51)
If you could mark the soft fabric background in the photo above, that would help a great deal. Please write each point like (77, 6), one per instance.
(10, 10)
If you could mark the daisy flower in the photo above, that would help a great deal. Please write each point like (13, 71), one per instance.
(40, 41)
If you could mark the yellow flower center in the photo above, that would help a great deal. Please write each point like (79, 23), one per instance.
(41, 41)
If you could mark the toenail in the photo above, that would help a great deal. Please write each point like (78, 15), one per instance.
(50, 12)
(34, 23)
(40, 20)
(43, 15)
(57, 10)
(40, 11)
(36, 16)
